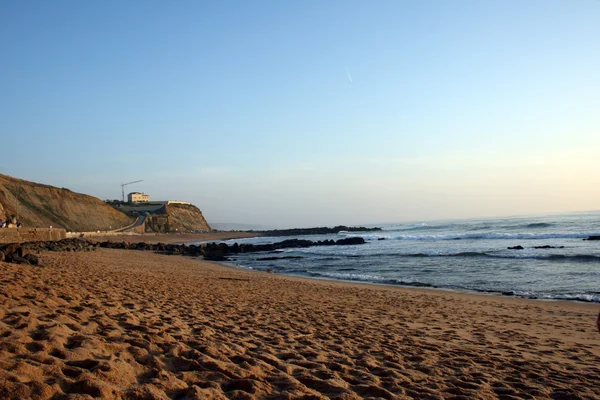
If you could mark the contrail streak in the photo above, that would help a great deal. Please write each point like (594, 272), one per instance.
(349, 77)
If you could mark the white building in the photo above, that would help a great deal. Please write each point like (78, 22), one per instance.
(179, 202)
(137, 197)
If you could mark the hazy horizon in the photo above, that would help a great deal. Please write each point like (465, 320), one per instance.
(237, 226)
(299, 114)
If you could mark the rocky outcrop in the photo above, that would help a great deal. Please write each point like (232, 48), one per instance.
(593, 238)
(19, 252)
(546, 246)
(220, 251)
(157, 223)
(25, 253)
(177, 218)
(41, 206)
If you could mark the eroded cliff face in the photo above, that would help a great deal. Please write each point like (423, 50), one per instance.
(38, 205)
(186, 218)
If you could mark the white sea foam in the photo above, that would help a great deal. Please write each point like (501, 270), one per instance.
(464, 255)
(352, 277)
(482, 235)
(497, 236)
(366, 236)
(576, 297)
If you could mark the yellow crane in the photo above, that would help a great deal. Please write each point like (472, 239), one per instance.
(123, 188)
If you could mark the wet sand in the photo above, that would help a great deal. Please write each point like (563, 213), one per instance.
(136, 325)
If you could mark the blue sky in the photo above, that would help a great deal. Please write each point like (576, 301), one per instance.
(297, 113)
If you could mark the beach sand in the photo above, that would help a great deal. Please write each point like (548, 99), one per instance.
(130, 324)
(170, 238)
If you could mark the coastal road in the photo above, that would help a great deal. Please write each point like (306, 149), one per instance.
(141, 219)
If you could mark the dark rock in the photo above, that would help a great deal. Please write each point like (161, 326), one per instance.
(352, 240)
(17, 259)
(217, 252)
(316, 231)
(516, 248)
(33, 259)
(293, 243)
(419, 284)
(22, 253)
(548, 247)
(215, 256)
(593, 238)
(11, 248)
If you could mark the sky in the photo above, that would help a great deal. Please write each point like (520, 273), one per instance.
(305, 113)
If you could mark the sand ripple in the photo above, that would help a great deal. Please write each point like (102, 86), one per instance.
(134, 325)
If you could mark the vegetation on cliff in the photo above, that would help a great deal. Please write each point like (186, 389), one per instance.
(186, 218)
(162, 217)
(39, 205)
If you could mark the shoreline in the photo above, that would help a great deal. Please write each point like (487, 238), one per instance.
(228, 264)
(134, 325)
(187, 239)
(425, 289)
(171, 238)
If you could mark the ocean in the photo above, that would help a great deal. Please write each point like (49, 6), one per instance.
(467, 255)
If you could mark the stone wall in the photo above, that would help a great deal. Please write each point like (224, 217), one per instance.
(138, 229)
(16, 235)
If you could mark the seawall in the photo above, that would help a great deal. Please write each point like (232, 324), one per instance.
(17, 235)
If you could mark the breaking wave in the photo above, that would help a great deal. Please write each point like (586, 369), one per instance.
(516, 254)
(367, 278)
(479, 236)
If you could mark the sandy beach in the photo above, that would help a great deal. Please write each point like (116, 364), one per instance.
(171, 237)
(136, 325)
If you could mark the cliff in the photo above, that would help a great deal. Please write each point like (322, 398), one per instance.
(178, 218)
(38, 205)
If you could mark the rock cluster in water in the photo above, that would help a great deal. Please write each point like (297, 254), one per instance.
(546, 246)
(24, 253)
(220, 251)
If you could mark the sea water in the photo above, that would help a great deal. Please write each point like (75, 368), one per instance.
(469, 255)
